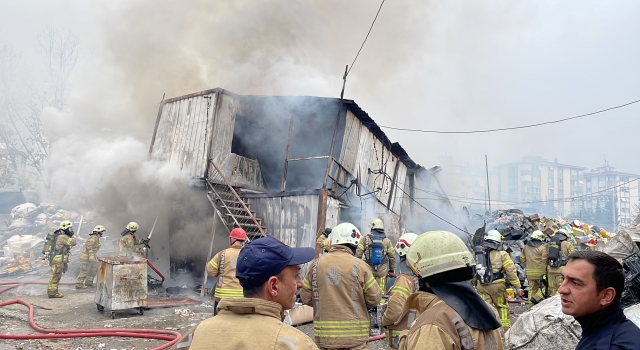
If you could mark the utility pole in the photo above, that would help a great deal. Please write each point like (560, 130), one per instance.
(486, 167)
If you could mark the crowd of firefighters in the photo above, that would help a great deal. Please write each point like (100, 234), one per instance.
(441, 290)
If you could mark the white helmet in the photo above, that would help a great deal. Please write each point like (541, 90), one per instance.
(537, 234)
(493, 235)
(405, 241)
(345, 233)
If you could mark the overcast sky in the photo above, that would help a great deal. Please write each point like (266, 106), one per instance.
(443, 65)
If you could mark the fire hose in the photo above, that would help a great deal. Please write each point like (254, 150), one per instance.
(169, 335)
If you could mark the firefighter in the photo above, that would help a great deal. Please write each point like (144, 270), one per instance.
(341, 288)
(59, 257)
(126, 245)
(378, 253)
(323, 243)
(452, 314)
(88, 259)
(269, 273)
(534, 260)
(494, 291)
(223, 266)
(405, 285)
(563, 248)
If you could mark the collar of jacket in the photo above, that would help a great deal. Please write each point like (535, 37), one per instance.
(246, 306)
(597, 320)
(340, 248)
(463, 298)
(535, 243)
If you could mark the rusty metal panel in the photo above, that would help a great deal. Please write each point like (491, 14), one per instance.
(245, 171)
(122, 283)
(292, 219)
(351, 142)
(183, 132)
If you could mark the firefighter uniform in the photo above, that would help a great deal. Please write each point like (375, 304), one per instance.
(440, 327)
(388, 255)
(340, 288)
(59, 263)
(126, 245)
(496, 293)
(534, 260)
(404, 287)
(323, 244)
(223, 265)
(246, 323)
(555, 274)
(88, 261)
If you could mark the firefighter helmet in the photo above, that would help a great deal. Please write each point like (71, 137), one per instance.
(65, 225)
(133, 226)
(239, 234)
(493, 235)
(376, 224)
(405, 241)
(345, 233)
(537, 234)
(99, 229)
(435, 252)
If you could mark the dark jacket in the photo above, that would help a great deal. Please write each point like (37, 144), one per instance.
(608, 329)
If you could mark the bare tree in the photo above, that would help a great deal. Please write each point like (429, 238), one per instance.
(23, 146)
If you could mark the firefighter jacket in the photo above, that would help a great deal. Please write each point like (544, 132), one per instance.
(126, 245)
(223, 265)
(388, 255)
(402, 289)
(439, 327)
(502, 264)
(534, 260)
(63, 246)
(341, 289)
(91, 247)
(247, 323)
(566, 249)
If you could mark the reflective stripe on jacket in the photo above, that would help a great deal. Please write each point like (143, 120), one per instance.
(402, 289)
(534, 260)
(63, 247)
(228, 284)
(91, 247)
(341, 289)
(501, 263)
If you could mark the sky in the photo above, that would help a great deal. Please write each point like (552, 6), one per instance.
(436, 65)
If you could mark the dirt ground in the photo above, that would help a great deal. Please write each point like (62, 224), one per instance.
(78, 310)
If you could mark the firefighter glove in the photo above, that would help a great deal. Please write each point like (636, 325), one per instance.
(92, 257)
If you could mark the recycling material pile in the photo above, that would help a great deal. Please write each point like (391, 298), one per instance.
(23, 237)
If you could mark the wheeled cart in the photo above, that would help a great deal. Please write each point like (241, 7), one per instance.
(122, 284)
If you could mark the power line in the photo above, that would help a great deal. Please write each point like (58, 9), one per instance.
(513, 127)
(365, 39)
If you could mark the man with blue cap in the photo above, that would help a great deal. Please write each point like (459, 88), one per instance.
(269, 273)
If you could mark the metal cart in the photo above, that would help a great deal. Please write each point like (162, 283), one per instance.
(122, 284)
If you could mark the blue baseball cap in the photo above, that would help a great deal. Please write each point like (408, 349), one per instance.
(266, 257)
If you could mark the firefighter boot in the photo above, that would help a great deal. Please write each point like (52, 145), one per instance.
(57, 295)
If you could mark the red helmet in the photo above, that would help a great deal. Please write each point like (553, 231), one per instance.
(238, 233)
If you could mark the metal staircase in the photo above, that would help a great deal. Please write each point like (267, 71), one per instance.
(232, 208)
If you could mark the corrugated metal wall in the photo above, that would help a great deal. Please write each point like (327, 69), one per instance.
(222, 136)
(183, 131)
(362, 151)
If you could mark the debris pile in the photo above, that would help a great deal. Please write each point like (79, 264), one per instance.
(25, 230)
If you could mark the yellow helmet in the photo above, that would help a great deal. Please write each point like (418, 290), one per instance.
(435, 252)
(537, 234)
(132, 226)
(99, 229)
(345, 233)
(404, 242)
(65, 225)
(376, 224)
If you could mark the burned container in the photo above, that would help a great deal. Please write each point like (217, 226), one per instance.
(122, 284)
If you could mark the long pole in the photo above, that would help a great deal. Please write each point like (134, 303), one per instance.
(335, 130)
(486, 167)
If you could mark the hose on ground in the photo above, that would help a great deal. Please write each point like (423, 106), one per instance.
(377, 337)
(171, 336)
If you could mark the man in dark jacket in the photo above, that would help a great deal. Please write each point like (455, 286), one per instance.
(591, 291)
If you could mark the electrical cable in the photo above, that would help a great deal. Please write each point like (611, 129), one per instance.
(365, 39)
(513, 127)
